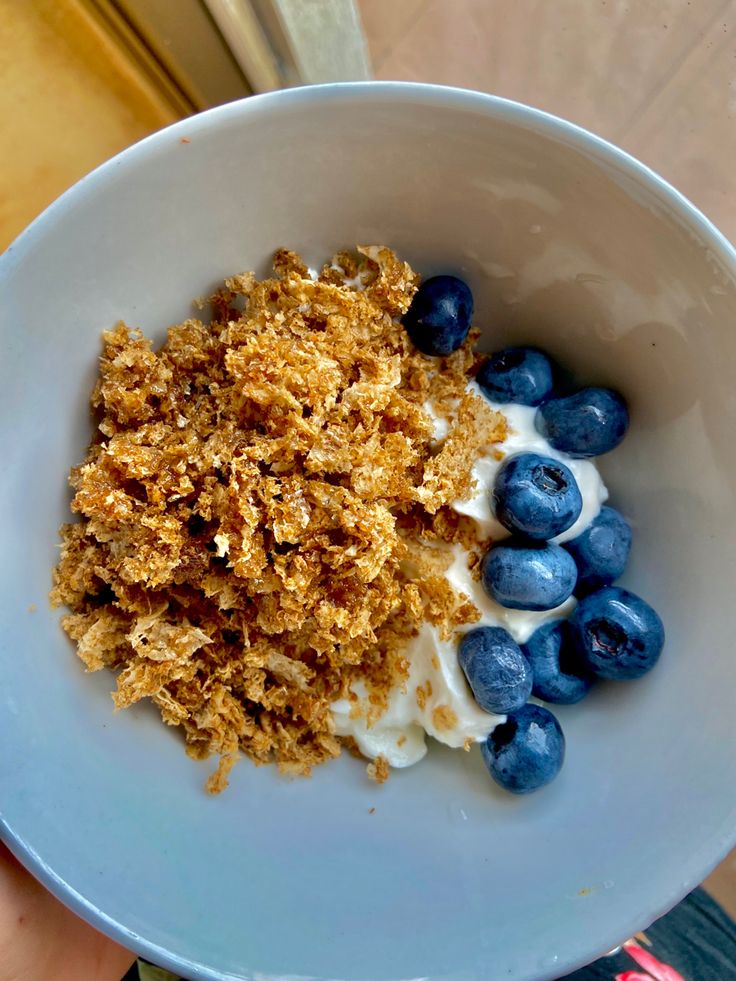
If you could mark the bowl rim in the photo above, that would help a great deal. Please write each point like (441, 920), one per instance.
(709, 853)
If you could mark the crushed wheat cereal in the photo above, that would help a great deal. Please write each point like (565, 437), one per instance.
(379, 769)
(260, 509)
(443, 718)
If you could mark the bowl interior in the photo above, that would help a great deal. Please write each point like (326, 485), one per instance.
(566, 244)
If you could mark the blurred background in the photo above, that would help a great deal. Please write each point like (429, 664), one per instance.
(82, 79)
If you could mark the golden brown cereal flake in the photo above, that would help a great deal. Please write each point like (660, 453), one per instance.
(443, 718)
(263, 509)
(448, 476)
(379, 769)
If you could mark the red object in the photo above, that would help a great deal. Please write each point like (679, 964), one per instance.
(657, 970)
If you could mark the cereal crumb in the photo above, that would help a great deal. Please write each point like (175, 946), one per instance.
(379, 769)
(401, 740)
(218, 781)
(32, 607)
(444, 718)
(467, 744)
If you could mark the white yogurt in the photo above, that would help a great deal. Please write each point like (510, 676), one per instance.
(399, 734)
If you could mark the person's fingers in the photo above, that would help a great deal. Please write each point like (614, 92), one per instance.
(41, 939)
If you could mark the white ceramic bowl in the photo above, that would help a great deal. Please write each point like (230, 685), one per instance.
(567, 243)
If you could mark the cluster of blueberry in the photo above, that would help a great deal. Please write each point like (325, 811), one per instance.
(612, 634)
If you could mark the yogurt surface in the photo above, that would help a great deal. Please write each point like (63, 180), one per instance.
(436, 699)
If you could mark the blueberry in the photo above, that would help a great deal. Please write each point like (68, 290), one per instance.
(601, 551)
(526, 575)
(497, 671)
(617, 635)
(588, 423)
(438, 319)
(536, 496)
(517, 374)
(559, 676)
(526, 751)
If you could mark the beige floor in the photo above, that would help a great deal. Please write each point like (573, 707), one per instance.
(657, 77)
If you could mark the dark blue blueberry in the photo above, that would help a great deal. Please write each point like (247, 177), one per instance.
(526, 575)
(517, 374)
(559, 676)
(617, 635)
(438, 319)
(497, 672)
(526, 751)
(601, 551)
(536, 496)
(588, 423)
